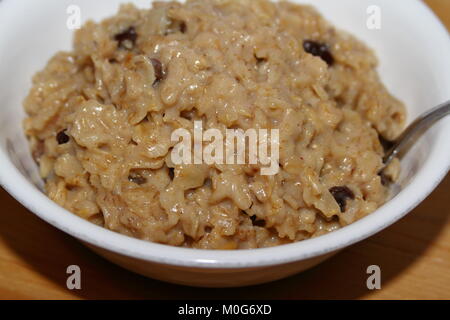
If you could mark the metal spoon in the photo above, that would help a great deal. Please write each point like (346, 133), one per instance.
(414, 129)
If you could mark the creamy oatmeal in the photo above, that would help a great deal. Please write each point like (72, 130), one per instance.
(100, 120)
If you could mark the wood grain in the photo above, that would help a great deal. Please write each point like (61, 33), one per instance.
(414, 256)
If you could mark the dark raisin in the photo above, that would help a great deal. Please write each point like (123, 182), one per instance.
(386, 144)
(171, 173)
(208, 229)
(188, 241)
(159, 72)
(127, 39)
(183, 27)
(188, 115)
(62, 137)
(175, 26)
(258, 222)
(319, 50)
(385, 180)
(341, 194)
(137, 178)
(260, 60)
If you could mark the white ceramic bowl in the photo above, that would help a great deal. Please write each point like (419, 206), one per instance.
(414, 51)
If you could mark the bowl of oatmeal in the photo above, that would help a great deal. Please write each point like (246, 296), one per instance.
(96, 149)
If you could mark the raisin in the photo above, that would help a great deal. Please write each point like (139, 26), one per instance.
(62, 137)
(341, 194)
(159, 71)
(319, 50)
(208, 229)
(385, 180)
(183, 27)
(260, 60)
(126, 38)
(188, 115)
(176, 26)
(258, 222)
(171, 173)
(137, 178)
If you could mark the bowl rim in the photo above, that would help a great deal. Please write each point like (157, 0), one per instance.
(423, 183)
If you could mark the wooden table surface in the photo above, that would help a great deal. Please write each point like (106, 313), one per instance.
(413, 254)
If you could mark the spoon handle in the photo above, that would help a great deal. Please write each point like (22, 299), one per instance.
(418, 126)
